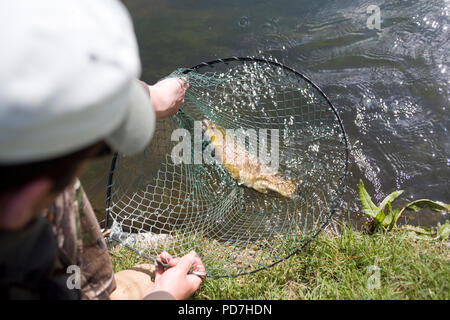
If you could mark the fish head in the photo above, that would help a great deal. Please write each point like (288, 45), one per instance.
(213, 132)
(207, 124)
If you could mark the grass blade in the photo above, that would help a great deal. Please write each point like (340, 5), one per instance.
(366, 202)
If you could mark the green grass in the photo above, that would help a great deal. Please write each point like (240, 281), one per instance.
(336, 267)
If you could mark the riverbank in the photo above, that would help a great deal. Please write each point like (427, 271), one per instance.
(352, 265)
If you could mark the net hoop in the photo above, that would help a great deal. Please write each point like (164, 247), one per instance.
(225, 61)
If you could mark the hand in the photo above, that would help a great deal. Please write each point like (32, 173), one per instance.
(167, 96)
(176, 279)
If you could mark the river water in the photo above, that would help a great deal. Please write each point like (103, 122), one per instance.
(389, 82)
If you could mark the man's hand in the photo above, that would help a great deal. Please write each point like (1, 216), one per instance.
(177, 279)
(167, 96)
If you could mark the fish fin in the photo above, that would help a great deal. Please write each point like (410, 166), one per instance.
(261, 185)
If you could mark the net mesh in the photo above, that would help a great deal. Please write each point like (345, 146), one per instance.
(157, 205)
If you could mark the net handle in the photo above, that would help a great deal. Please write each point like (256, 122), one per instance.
(108, 189)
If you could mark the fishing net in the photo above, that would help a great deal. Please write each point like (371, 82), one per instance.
(156, 204)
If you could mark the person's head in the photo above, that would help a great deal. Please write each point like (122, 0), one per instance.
(25, 189)
(68, 87)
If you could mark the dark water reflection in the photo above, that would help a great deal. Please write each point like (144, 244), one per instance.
(391, 86)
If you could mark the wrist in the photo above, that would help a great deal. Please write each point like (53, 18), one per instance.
(146, 87)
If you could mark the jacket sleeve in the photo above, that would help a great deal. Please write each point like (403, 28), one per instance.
(159, 295)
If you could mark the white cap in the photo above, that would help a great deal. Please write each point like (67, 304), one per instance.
(68, 78)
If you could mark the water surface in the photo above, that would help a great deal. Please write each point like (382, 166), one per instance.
(390, 86)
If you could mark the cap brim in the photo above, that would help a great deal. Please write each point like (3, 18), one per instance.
(138, 125)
